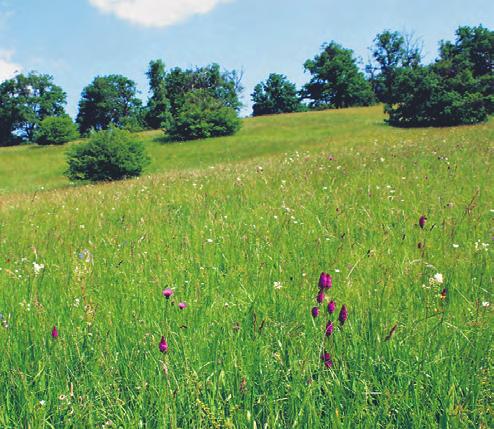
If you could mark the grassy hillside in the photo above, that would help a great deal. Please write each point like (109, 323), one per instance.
(240, 228)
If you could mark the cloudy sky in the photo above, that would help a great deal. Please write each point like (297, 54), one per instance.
(75, 40)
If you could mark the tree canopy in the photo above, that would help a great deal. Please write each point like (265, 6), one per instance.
(276, 95)
(224, 86)
(109, 100)
(392, 51)
(158, 113)
(24, 102)
(458, 88)
(336, 80)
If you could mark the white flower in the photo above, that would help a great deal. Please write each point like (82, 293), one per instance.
(438, 278)
(37, 267)
(481, 246)
(277, 285)
(485, 304)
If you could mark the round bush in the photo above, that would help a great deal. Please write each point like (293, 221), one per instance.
(203, 116)
(56, 130)
(108, 155)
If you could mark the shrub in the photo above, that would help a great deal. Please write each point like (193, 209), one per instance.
(108, 155)
(425, 99)
(457, 89)
(202, 116)
(56, 130)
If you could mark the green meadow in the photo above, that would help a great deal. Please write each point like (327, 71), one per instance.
(240, 229)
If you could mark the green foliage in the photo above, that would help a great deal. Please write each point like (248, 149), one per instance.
(109, 100)
(24, 102)
(392, 51)
(224, 86)
(336, 81)
(276, 95)
(457, 89)
(56, 130)
(111, 154)
(158, 109)
(202, 116)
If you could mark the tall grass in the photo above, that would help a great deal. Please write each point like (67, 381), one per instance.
(229, 222)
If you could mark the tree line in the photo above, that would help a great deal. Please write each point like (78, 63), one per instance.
(456, 88)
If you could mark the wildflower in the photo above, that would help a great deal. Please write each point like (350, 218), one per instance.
(182, 305)
(329, 329)
(444, 293)
(343, 316)
(326, 358)
(320, 297)
(422, 221)
(315, 311)
(325, 281)
(163, 346)
(167, 293)
(37, 268)
(54, 333)
(438, 278)
(331, 307)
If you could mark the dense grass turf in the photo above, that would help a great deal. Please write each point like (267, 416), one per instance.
(240, 229)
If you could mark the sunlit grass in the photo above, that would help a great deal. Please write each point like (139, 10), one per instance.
(240, 228)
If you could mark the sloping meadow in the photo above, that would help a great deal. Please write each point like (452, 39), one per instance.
(242, 246)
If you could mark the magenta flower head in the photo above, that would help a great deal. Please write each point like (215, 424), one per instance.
(54, 333)
(320, 297)
(343, 315)
(329, 329)
(167, 293)
(163, 345)
(182, 305)
(315, 311)
(326, 358)
(331, 307)
(422, 221)
(325, 281)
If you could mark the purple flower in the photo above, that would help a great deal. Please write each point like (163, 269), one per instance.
(331, 307)
(315, 311)
(329, 329)
(54, 333)
(422, 221)
(343, 316)
(326, 358)
(182, 305)
(320, 297)
(167, 293)
(163, 345)
(325, 281)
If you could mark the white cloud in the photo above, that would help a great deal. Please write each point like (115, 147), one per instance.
(156, 13)
(8, 69)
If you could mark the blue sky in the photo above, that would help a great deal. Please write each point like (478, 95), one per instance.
(75, 40)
